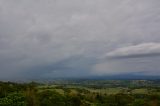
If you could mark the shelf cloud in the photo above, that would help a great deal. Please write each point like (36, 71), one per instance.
(78, 38)
(136, 51)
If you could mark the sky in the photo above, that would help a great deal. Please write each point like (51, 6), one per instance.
(79, 38)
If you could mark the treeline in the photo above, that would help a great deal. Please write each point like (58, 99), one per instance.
(108, 83)
(13, 94)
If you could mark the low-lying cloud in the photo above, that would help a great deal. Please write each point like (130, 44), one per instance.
(66, 38)
(136, 51)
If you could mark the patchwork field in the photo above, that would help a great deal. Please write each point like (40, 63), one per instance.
(81, 93)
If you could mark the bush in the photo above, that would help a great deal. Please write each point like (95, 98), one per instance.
(14, 99)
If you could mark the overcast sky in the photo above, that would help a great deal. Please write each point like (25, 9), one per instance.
(77, 38)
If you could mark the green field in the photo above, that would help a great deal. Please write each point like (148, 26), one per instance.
(81, 93)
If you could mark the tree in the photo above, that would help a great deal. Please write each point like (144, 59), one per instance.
(51, 98)
(14, 99)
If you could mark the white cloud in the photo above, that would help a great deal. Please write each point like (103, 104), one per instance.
(140, 50)
(142, 59)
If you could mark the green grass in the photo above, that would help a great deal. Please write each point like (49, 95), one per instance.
(140, 91)
(108, 91)
(60, 91)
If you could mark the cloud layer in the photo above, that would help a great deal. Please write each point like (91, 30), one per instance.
(59, 38)
(136, 51)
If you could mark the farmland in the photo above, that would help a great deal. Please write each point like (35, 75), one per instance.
(81, 93)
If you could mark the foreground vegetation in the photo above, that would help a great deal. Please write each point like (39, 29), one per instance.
(81, 93)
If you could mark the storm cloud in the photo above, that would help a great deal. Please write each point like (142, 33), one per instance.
(136, 51)
(76, 38)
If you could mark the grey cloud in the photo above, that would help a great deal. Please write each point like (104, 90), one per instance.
(39, 34)
(136, 51)
(143, 66)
